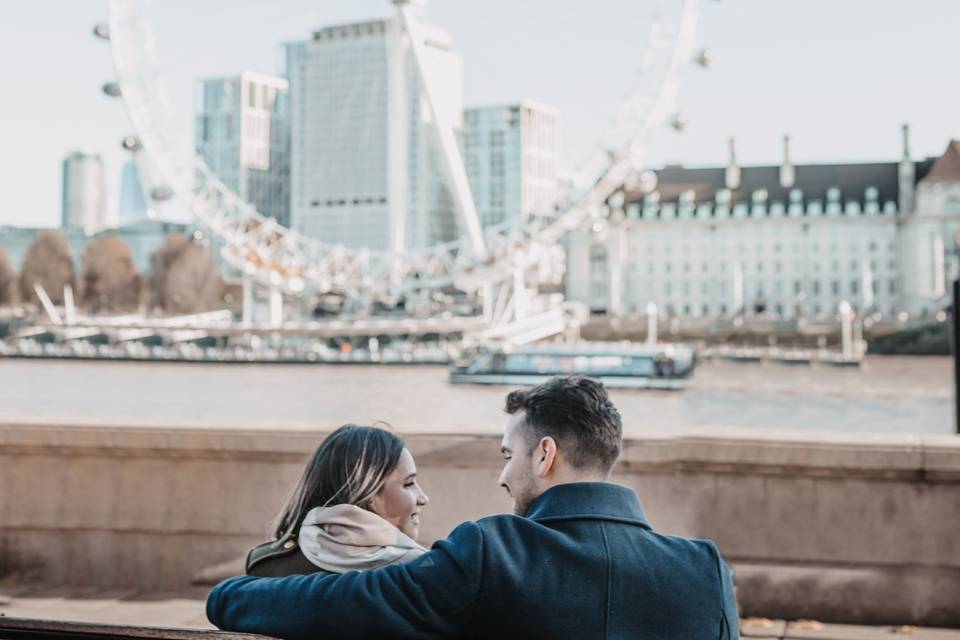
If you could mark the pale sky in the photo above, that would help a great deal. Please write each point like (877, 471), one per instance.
(839, 75)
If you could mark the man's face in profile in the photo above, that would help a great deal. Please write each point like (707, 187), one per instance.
(517, 476)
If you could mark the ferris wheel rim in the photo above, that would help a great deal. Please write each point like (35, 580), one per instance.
(207, 200)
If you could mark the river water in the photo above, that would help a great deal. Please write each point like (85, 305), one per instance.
(888, 394)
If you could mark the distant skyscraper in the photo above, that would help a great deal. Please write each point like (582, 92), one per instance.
(363, 157)
(511, 153)
(84, 193)
(133, 203)
(243, 135)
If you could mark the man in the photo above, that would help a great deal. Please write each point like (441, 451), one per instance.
(578, 560)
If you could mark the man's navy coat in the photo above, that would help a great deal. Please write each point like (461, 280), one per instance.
(583, 563)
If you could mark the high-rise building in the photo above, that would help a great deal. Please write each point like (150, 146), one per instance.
(243, 135)
(366, 171)
(511, 153)
(133, 204)
(84, 193)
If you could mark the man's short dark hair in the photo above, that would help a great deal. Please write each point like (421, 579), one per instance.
(577, 413)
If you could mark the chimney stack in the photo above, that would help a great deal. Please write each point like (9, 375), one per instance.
(788, 173)
(907, 176)
(732, 175)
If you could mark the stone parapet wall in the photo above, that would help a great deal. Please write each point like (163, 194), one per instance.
(844, 527)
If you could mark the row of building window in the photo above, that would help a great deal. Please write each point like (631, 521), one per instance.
(816, 288)
(777, 309)
(741, 248)
(706, 211)
(344, 202)
(351, 32)
(705, 267)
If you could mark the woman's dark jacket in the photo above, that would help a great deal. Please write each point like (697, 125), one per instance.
(279, 558)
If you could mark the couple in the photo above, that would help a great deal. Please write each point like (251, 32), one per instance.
(578, 560)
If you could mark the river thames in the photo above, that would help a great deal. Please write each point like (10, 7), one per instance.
(888, 394)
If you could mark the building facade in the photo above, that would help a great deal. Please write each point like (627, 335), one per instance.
(84, 193)
(788, 241)
(243, 134)
(132, 206)
(511, 154)
(929, 242)
(365, 169)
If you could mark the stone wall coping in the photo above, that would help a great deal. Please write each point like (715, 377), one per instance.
(936, 455)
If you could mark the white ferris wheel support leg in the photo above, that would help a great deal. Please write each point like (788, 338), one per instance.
(276, 307)
(615, 263)
(520, 302)
(398, 130)
(486, 293)
(47, 304)
(69, 309)
(452, 161)
(653, 315)
(247, 313)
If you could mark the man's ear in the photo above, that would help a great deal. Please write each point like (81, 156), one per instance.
(546, 456)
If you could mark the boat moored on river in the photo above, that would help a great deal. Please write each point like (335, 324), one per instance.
(618, 366)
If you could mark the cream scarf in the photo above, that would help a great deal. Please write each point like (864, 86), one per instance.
(348, 538)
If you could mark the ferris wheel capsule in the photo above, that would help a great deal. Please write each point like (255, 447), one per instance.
(679, 122)
(102, 31)
(131, 143)
(112, 89)
(705, 58)
(161, 194)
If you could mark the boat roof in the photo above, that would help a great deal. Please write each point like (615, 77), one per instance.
(596, 348)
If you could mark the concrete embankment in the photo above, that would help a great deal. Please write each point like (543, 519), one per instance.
(836, 527)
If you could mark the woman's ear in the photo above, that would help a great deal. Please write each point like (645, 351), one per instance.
(546, 454)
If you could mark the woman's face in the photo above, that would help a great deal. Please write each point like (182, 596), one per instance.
(401, 499)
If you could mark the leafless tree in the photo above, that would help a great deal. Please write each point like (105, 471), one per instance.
(110, 279)
(49, 263)
(8, 280)
(186, 277)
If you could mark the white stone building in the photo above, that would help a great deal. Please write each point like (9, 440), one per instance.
(365, 169)
(243, 134)
(929, 241)
(788, 240)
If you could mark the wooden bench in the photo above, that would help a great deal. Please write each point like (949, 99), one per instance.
(27, 629)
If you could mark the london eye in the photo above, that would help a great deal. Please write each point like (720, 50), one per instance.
(500, 269)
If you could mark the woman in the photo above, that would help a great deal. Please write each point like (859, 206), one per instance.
(356, 507)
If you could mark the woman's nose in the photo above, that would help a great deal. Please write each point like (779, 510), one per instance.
(423, 499)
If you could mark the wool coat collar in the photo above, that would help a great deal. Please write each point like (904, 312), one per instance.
(589, 501)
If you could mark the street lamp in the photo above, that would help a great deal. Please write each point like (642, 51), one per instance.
(955, 313)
